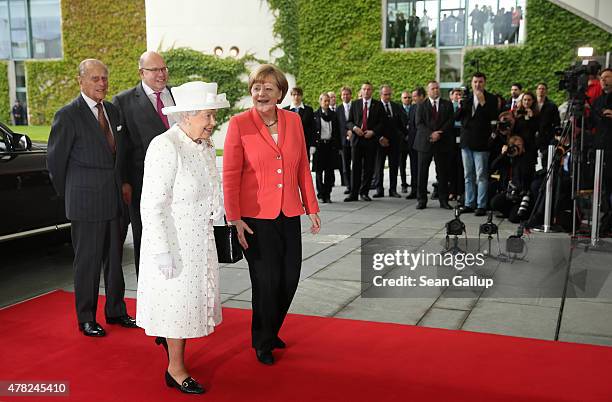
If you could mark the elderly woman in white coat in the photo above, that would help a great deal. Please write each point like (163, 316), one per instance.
(178, 287)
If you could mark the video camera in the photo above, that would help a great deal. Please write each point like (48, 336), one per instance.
(488, 228)
(575, 79)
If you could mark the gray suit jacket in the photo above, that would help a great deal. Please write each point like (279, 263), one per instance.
(81, 164)
(141, 123)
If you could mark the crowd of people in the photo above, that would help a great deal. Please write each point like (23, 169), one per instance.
(486, 148)
(148, 158)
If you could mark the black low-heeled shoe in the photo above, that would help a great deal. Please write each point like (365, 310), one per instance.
(279, 344)
(162, 341)
(265, 356)
(188, 386)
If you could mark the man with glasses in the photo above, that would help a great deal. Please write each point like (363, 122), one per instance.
(142, 120)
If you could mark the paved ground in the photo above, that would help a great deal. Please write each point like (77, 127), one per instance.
(331, 282)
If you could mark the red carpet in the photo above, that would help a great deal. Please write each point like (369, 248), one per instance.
(326, 360)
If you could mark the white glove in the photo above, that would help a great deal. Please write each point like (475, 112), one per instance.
(165, 265)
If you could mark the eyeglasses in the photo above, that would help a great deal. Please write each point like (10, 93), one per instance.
(156, 69)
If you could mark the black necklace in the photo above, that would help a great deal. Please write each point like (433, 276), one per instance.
(271, 124)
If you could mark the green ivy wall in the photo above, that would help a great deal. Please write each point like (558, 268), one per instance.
(114, 33)
(5, 105)
(340, 44)
(188, 65)
(553, 37)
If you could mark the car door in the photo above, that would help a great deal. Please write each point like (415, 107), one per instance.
(29, 199)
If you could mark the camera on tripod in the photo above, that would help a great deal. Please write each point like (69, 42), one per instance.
(575, 79)
(455, 227)
(488, 228)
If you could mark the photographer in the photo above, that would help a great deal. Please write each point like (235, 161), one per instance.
(527, 124)
(513, 201)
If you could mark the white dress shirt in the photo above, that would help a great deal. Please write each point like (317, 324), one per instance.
(165, 96)
(347, 110)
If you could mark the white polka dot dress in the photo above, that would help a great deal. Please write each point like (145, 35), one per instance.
(181, 191)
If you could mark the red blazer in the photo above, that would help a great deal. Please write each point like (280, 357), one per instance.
(260, 178)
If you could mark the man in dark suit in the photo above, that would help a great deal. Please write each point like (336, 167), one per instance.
(406, 105)
(141, 120)
(390, 145)
(549, 119)
(327, 142)
(342, 112)
(85, 137)
(367, 121)
(418, 95)
(476, 114)
(434, 140)
(516, 90)
(307, 115)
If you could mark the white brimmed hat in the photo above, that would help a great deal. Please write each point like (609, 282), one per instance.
(196, 95)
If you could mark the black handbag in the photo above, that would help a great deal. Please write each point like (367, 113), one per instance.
(226, 240)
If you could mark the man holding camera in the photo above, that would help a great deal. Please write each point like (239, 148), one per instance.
(434, 140)
(478, 109)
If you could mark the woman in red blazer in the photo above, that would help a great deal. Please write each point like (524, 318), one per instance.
(267, 185)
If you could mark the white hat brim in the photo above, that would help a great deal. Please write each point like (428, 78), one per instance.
(189, 108)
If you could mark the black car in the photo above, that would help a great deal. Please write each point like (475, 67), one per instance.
(30, 205)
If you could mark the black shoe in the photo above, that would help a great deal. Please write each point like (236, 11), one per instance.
(91, 328)
(480, 212)
(265, 356)
(365, 197)
(188, 386)
(279, 344)
(465, 210)
(421, 205)
(404, 189)
(412, 195)
(347, 192)
(319, 197)
(125, 321)
(434, 195)
(350, 198)
(445, 205)
(327, 200)
(378, 195)
(501, 215)
(162, 341)
(394, 194)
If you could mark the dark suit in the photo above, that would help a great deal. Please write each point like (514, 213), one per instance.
(141, 124)
(395, 131)
(408, 150)
(307, 115)
(549, 119)
(363, 150)
(326, 158)
(440, 150)
(346, 145)
(84, 172)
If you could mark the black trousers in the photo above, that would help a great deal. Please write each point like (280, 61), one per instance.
(275, 260)
(363, 156)
(414, 168)
(346, 166)
(382, 153)
(97, 246)
(456, 181)
(325, 182)
(441, 160)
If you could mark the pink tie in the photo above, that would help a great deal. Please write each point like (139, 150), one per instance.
(160, 105)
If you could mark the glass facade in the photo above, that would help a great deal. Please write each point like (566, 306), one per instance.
(451, 25)
(30, 29)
